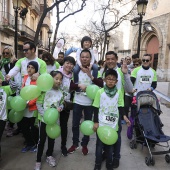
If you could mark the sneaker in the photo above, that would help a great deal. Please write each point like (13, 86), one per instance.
(109, 166)
(115, 163)
(37, 166)
(85, 150)
(26, 149)
(64, 151)
(9, 133)
(72, 149)
(97, 167)
(16, 131)
(51, 161)
(33, 149)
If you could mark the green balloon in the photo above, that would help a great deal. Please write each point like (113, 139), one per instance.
(45, 82)
(86, 127)
(30, 92)
(53, 131)
(18, 103)
(15, 117)
(51, 116)
(91, 91)
(8, 102)
(107, 135)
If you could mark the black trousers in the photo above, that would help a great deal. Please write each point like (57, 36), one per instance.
(64, 116)
(41, 142)
(128, 101)
(2, 127)
(30, 131)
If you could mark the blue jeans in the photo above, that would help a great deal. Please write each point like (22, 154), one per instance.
(99, 150)
(77, 70)
(70, 50)
(77, 115)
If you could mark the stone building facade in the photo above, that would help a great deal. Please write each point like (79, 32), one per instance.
(27, 24)
(156, 41)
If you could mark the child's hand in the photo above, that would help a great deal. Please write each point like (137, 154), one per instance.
(35, 76)
(128, 123)
(7, 78)
(84, 69)
(59, 109)
(95, 127)
(90, 67)
(82, 87)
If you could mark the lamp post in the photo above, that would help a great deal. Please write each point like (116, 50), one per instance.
(141, 8)
(16, 6)
(49, 37)
(107, 41)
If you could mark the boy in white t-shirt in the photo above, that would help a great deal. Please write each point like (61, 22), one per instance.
(106, 113)
(86, 43)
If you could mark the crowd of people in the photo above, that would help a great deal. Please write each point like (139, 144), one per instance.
(118, 83)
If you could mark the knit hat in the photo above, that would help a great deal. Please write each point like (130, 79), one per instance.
(86, 38)
(34, 64)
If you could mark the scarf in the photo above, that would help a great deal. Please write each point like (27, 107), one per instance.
(4, 61)
(62, 71)
(110, 92)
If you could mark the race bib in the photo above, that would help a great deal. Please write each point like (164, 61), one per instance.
(145, 79)
(109, 119)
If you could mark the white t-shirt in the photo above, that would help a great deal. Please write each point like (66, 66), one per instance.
(66, 87)
(81, 97)
(144, 78)
(108, 108)
(3, 99)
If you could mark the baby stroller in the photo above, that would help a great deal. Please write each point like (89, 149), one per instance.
(147, 126)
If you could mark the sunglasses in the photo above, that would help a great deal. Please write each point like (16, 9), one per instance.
(5, 53)
(136, 64)
(25, 50)
(145, 60)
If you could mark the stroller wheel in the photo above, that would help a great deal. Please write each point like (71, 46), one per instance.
(147, 161)
(152, 161)
(167, 158)
(133, 145)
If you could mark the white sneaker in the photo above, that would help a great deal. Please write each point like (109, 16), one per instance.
(51, 161)
(37, 166)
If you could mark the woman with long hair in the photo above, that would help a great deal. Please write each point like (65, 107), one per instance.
(50, 62)
(7, 62)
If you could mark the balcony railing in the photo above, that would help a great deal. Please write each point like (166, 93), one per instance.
(6, 19)
(26, 31)
(35, 7)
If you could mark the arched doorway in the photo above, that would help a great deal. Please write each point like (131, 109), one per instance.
(153, 49)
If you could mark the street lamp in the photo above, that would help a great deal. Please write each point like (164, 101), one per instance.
(141, 8)
(16, 6)
(49, 36)
(107, 41)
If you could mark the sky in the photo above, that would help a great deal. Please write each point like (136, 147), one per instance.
(72, 24)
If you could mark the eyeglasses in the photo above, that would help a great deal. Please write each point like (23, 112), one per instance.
(136, 64)
(145, 60)
(110, 79)
(25, 50)
(5, 53)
